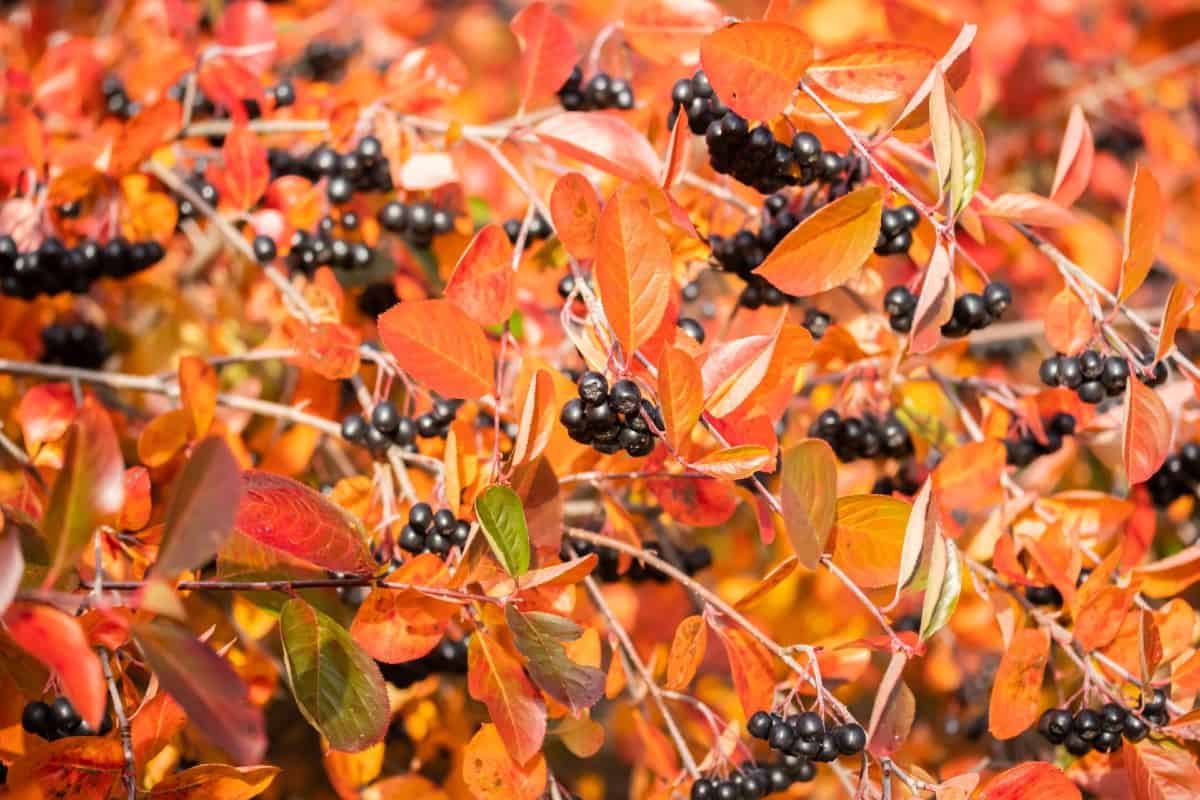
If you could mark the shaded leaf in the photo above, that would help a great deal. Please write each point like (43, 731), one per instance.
(1144, 218)
(1146, 441)
(496, 678)
(157, 722)
(943, 588)
(808, 489)
(482, 284)
(1074, 168)
(547, 51)
(687, 651)
(893, 712)
(603, 141)
(215, 782)
(440, 346)
(81, 767)
(754, 66)
(202, 509)
(751, 667)
(1016, 691)
(502, 518)
(827, 248)
(12, 566)
(57, 640)
(398, 625)
(337, 686)
(539, 636)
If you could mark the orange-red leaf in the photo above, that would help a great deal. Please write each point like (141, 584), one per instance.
(751, 667)
(734, 463)
(489, 770)
(547, 51)
(1171, 575)
(1074, 168)
(664, 30)
(1157, 773)
(754, 66)
(75, 767)
(869, 538)
(679, 150)
(198, 392)
(1017, 687)
(497, 679)
(482, 284)
(1069, 324)
(439, 345)
(680, 394)
(1032, 209)
(875, 72)
(1144, 218)
(935, 305)
(538, 414)
(244, 174)
(603, 141)
(215, 782)
(398, 625)
(575, 209)
(58, 641)
(829, 247)
(1031, 781)
(1147, 432)
(687, 651)
(633, 268)
(1180, 303)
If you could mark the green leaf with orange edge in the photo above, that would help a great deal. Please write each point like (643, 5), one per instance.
(1016, 690)
(440, 346)
(751, 666)
(337, 686)
(287, 517)
(502, 518)
(575, 210)
(1146, 437)
(808, 493)
(873, 72)
(1160, 773)
(483, 283)
(547, 51)
(754, 66)
(829, 247)
(869, 538)
(539, 637)
(957, 147)
(202, 508)
(734, 463)
(1074, 169)
(89, 489)
(680, 395)
(1033, 780)
(57, 640)
(1145, 216)
(1180, 303)
(490, 772)
(398, 625)
(215, 782)
(633, 267)
(204, 684)
(82, 767)
(497, 679)
(942, 589)
(687, 651)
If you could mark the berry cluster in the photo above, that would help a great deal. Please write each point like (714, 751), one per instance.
(58, 720)
(1177, 477)
(743, 252)
(608, 567)
(895, 230)
(428, 531)
(816, 321)
(388, 426)
(601, 91)
(78, 344)
(116, 101)
(1103, 729)
(756, 780)
(539, 229)
(1095, 377)
(53, 267)
(971, 312)
(362, 169)
(611, 421)
(903, 482)
(326, 248)
(862, 437)
(417, 222)
(1021, 452)
(448, 658)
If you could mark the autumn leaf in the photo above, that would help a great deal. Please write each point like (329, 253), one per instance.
(735, 463)
(875, 72)
(680, 394)
(1171, 575)
(1147, 432)
(75, 767)
(539, 413)
(687, 651)
(482, 282)
(1158, 773)
(439, 345)
(828, 247)
(1016, 690)
(1144, 219)
(496, 679)
(870, 537)
(1075, 157)
(575, 210)
(808, 492)
(1180, 303)
(935, 304)
(58, 641)
(202, 509)
(198, 392)
(957, 147)
(489, 771)
(893, 712)
(1035, 779)
(603, 141)
(1069, 323)
(245, 175)
(751, 668)
(1030, 209)
(663, 30)
(539, 637)
(547, 51)
(754, 66)
(219, 781)
(398, 625)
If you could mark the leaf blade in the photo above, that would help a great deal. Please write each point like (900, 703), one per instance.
(502, 518)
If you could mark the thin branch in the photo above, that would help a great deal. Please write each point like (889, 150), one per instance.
(130, 771)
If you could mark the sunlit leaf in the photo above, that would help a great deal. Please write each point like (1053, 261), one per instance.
(870, 538)
(489, 771)
(497, 679)
(482, 284)
(398, 625)
(57, 640)
(1016, 690)
(75, 767)
(1157, 773)
(1029, 781)
(502, 518)
(215, 782)
(547, 51)
(1074, 168)
(875, 72)
(603, 141)
(754, 66)
(440, 346)
(751, 667)
(943, 589)
(1144, 219)
(734, 463)
(575, 209)
(687, 651)
(1147, 432)
(808, 489)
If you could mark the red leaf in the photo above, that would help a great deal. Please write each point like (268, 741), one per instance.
(547, 51)
(227, 81)
(754, 66)
(1069, 324)
(575, 209)
(1147, 439)
(200, 513)
(876, 72)
(247, 26)
(633, 268)
(1156, 773)
(681, 395)
(664, 30)
(482, 283)
(1074, 168)
(829, 247)
(58, 641)
(330, 349)
(440, 346)
(291, 518)
(244, 174)
(1017, 687)
(75, 767)
(425, 78)
(1032, 209)
(1035, 780)
(603, 141)
(44, 414)
(751, 668)
(496, 678)
(1144, 218)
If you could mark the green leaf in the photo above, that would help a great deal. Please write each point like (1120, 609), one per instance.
(502, 518)
(945, 585)
(337, 686)
(202, 509)
(539, 636)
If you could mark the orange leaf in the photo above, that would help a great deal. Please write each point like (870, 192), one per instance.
(75, 767)
(663, 30)
(603, 141)
(164, 437)
(680, 392)
(935, 305)
(244, 174)
(158, 721)
(734, 463)
(58, 641)
(136, 512)
(655, 749)
(751, 667)
(1032, 781)
(1144, 217)
(538, 415)
(1180, 303)
(1069, 324)
(1018, 683)
(1156, 773)
(969, 476)
(497, 679)
(1074, 168)
(398, 625)
(145, 133)
(1147, 434)
(547, 51)
(575, 209)
(633, 268)
(687, 651)
(1171, 575)
(329, 349)
(679, 151)
(198, 392)
(754, 66)
(482, 283)
(440, 346)
(829, 247)
(809, 496)
(1100, 619)
(215, 782)
(1032, 209)
(869, 538)
(875, 72)
(782, 571)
